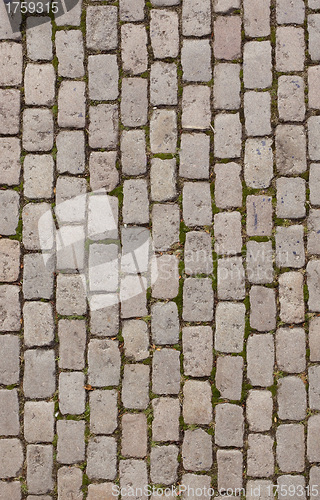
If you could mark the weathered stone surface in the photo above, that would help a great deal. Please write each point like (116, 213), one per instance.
(130, 11)
(313, 238)
(10, 107)
(100, 491)
(227, 186)
(134, 48)
(37, 129)
(227, 233)
(10, 166)
(259, 410)
(11, 458)
(196, 483)
(194, 156)
(165, 225)
(291, 297)
(164, 464)
(134, 435)
(291, 149)
(289, 247)
(230, 469)
(230, 324)
(313, 137)
(70, 53)
(70, 482)
(72, 342)
(196, 18)
(71, 298)
(39, 421)
(135, 386)
(291, 105)
(229, 376)
(258, 163)
(313, 87)
(228, 130)
(163, 84)
(260, 456)
(256, 17)
(288, 13)
(104, 363)
(196, 107)
(198, 253)
(259, 262)
(165, 424)
(163, 179)
(103, 411)
(314, 477)
(290, 447)
(227, 37)
(260, 360)
(9, 206)
(134, 102)
(103, 267)
(133, 290)
(163, 131)
(166, 276)
(102, 458)
(231, 278)
(9, 413)
(9, 260)
(164, 323)
(12, 490)
(314, 392)
(72, 190)
(10, 365)
(313, 283)
(226, 88)
(197, 450)
(136, 204)
(164, 33)
(103, 171)
(38, 176)
(38, 324)
(39, 84)
(103, 127)
(292, 399)
(133, 154)
(103, 77)
(229, 425)
(33, 237)
(39, 374)
(314, 36)
(289, 48)
(291, 198)
(11, 63)
(313, 438)
(39, 468)
(257, 65)
(314, 339)
(196, 204)
(197, 345)
(196, 60)
(38, 37)
(262, 308)
(101, 32)
(197, 299)
(224, 6)
(71, 104)
(295, 484)
(10, 310)
(166, 371)
(71, 445)
(71, 393)
(136, 339)
(257, 112)
(133, 474)
(197, 408)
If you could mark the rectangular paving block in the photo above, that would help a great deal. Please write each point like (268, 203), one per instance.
(103, 267)
(314, 339)
(165, 424)
(37, 129)
(103, 75)
(257, 113)
(259, 215)
(166, 371)
(103, 411)
(227, 37)
(202, 458)
(9, 260)
(230, 324)
(290, 46)
(231, 279)
(196, 113)
(165, 225)
(163, 179)
(258, 163)
(227, 233)
(39, 84)
(12, 466)
(11, 63)
(198, 253)
(133, 473)
(130, 11)
(104, 363)
(163, 84)
(262, 308)
(39, 373)
(135, 386)
(164, 323)
(134, 48)
(9, 412)
(260, 459)
(134, 435)
(39, 421)
(133, 299)
(69, 481)
(71, 297)
(72, 393)
(256, 17)
(163, 131)
(38, 176)
(38, 324)
(71, 104)
(10, 366)
(70, 151)
(291, 105)
(39, 468)
(313, 438)
(288, 13)
(292, 399)
(227, 186)
(229, 375)
(38, 37)
(289, 246)
(313, 87)
(290, 447)
(197, 299)
(9, 207)
(197, 345)
(259, 409)
(314, 393)
(101, 27)
(134, 102)
(164, 28)
(259, 262)
(196, 204)
(226, 88)
(71, 444)
(196, 18)
(101, 458)
(165, 276)
(103, 127)
(229, 425)
(33, 237)
(70, 53)
(290, 349)
(11, 315)
(257, 65)
(103, 171)
(230, 469)
(260, 360)
(291, 149)
(197, 407)
(227, 139)
(72, 342)
(291, 198)
(314, 36)
(10, 166)
(133, 154)
(291, 297)
(196, 60)
(194, 156)
(136, 339)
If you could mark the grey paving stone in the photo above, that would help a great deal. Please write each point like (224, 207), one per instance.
(11, 458)
(292, 399)
(258, 163)
(70, 53)
(257, 65)
(164, 464)
(10, 103)
(39, 421)
(39, 373)
(291, 149)
(228, 129)
(314, 479)
(103, 170)
(227, 233)
(229, 376)
(103, 411)
(313, 87)
(291, 198)
(70, 151)
(197, 450)
(102, 227)
(135, 202)
(194, 482)
(103, 77)
(134, 48)
(196, 18)
(38, 37)
(260, 458)
(39, 468)
(9, 260)
(133, 474)
(313, 137)
(166, 371)
(291, 297)
(314, 339)
(290, 447)
(72, 343)
(136, 339)
(262, 488)
(165, 424)
(71, 190)
(31, 216)
(290, 48)
(256, 17)
(230, 469)
(227, 37)
(38, 324)
(224, 6)
(296, 485)
(72, 394)
(257, 112)
(103, 267)
(197, 299)
(104, 363)
(226, 88)
(162, 3)
(313, 438)
(39, 84)
(133, 290)
(313, 232)
(103, 127)
(71, 104)
(230, 324)
(196, 204)
(197, 407)
(198, 253)
(291, 105)
(71, 298)
(11, 63)
(12, 490)
(133, 152)
(165, 225)
(163, 131)
(69, 482)
(231, 278)
(134, 435)
(38, 176)
(259, 409)
(196, 60)
(9, 413)
(313, 285)
(262, 308)
(37, 277)
(101, 32)
(135, 240)
(289, 247)
(135, 386)
(102, 458)
(71, 444)
(260, 360)
(134, 102)
(97, 491)
(163, 179)
(10, 311)
(164, 33)
(314, 36)
(288, 13)
(9, 207)
(196, 107)
(37, 129)
(163, 84)
(229, 425)
(10, 166)
(37, 497)
(10, 365)
(130, 11)
(227, 186)
(313, 4)
(164, 323)
(314, 392)
(259, 262)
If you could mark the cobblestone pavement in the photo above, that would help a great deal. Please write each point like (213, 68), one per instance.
(195, 126)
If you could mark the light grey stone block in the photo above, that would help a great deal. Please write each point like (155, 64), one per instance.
(197, 408)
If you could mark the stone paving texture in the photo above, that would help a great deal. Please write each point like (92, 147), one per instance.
(159, 249)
